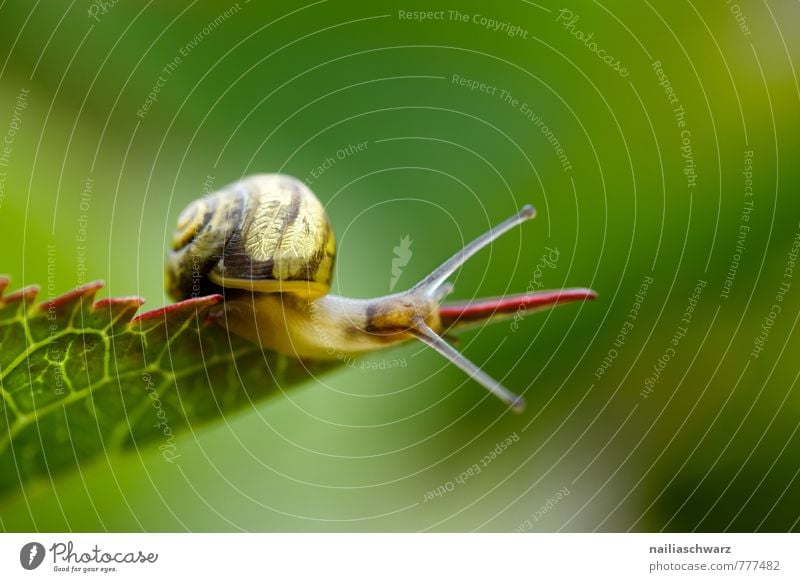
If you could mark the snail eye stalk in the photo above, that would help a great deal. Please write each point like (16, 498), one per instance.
(430, 284)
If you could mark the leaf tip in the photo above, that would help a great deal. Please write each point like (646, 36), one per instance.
(26, 295)
(120, 309)
(180, 311)
(112, 302)
(84, 293)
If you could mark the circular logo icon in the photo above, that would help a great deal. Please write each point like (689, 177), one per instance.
(31, 555)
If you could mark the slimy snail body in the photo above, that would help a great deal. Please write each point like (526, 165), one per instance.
(267, 245)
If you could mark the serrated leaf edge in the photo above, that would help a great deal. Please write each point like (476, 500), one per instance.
(122, 310)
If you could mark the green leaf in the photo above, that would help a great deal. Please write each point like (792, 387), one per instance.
(81, 379)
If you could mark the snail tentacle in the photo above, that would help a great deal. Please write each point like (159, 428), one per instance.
(432, 282)
(434, 340)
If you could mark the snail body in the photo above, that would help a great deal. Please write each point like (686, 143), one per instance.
(267, 245)
(326, 329)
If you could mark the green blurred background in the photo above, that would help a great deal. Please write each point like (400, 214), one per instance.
(276, 86)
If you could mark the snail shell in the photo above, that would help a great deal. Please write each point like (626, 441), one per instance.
(266, 233)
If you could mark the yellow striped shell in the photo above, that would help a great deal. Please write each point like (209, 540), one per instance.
(266, 233)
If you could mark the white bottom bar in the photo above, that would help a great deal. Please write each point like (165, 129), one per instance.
(355, 557)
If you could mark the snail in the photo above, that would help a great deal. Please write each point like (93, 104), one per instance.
(266, 243)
